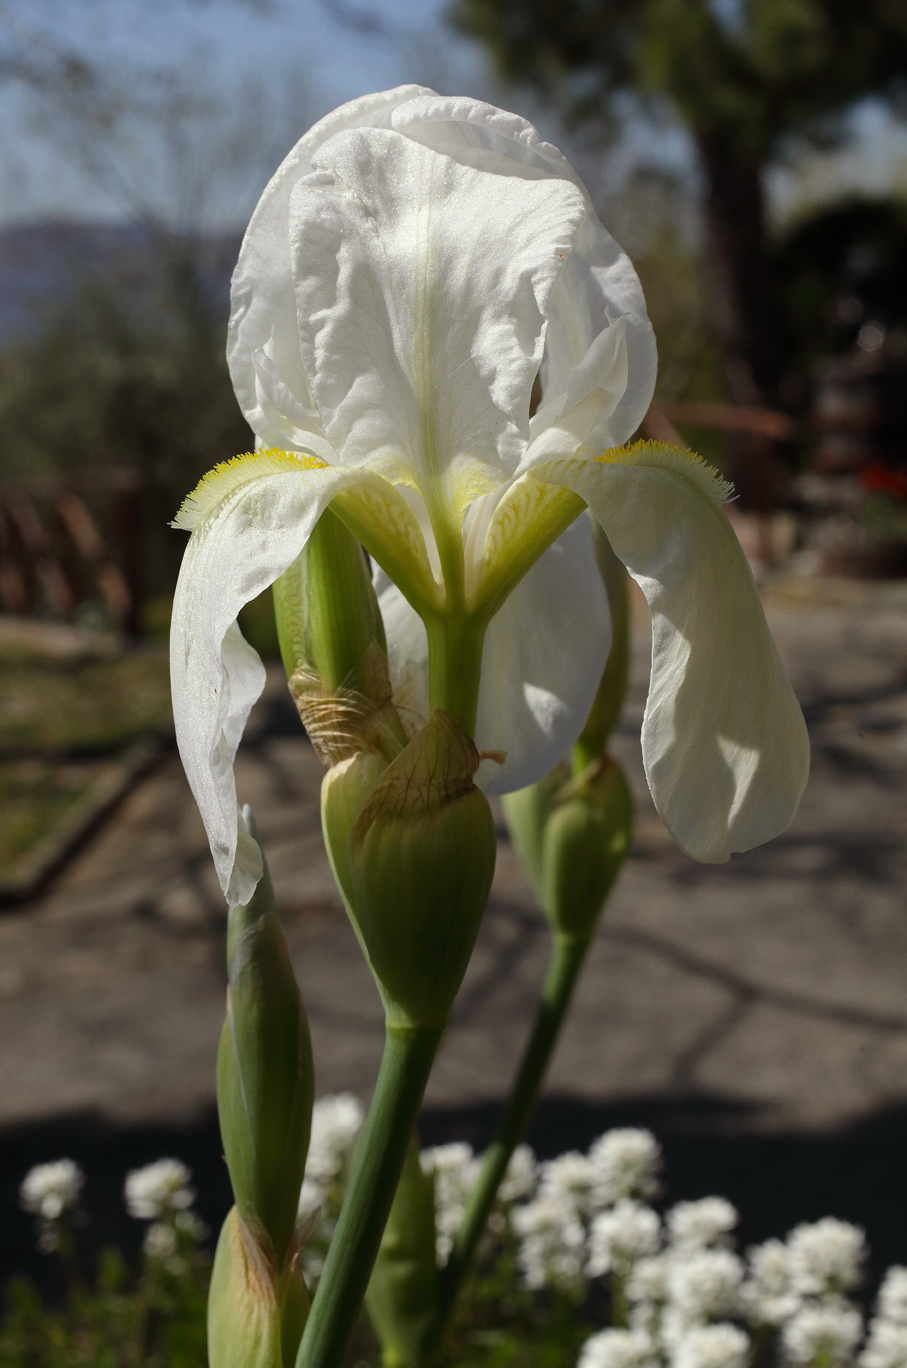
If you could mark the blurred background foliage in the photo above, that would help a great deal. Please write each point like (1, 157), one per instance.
(745, 77)
(123, 364)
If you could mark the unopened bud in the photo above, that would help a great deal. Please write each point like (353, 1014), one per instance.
(265, 1076)
(333, 647)
(402, 1295)
(255, 1317)
(612, 689)
(573, 837)
(421, 859)
(344, 791)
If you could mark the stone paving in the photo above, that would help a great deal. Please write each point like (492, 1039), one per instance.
(775, 985)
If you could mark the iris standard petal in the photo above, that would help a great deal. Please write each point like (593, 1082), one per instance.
(263, 310)
(598, 372)
(250, 521)
(543, 658)
(420, 336)
(724, 742)
(481, 135)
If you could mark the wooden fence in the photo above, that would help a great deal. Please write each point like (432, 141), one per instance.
(66, 544)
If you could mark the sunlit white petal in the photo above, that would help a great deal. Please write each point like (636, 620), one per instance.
(420, 336)
(245, 536)
(263, 309)
(724, 741)
(598, 374)
(543, 658)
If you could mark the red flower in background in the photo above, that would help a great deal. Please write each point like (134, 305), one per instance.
(878, 479)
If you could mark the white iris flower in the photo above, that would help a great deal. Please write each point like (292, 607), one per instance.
(413, 266)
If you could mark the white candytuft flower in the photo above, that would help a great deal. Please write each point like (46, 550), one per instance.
(191, 1225)
(568, 1179)
(48, 1190)
(619, 1349)
(160, 1242)
(822, 1334)
(620, 1237)
(712, 1346)
(455, 1168)
(704, 1284)
(768, 1295)
(625, 1163)
(826, 1257)
(158, 1189)
(552, 1245)
(521, 1176)
(311, 1197)
(696, 1225)
(648, 1282)
(336, 1122)
(893, 1296)
(887, 1345)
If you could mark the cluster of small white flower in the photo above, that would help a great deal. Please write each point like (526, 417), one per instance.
(336, 1123)
(159, 1192)
(49, 1191)
(691, 1302)
(455, 1168)
(587, 1213)
(886, 1344)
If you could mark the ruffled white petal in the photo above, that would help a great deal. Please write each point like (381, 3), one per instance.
(598, 373)
(241, 544)
(421, 332)
(543, 659)
(724, 741)
(263, 310)
(481, 135)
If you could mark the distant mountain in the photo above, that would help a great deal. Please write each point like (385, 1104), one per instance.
(43, 263)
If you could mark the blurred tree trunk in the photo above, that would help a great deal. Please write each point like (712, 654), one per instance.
(748, 309)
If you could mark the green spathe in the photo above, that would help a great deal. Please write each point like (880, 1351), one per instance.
(265, 1078)
(244, 1328)
(421, 859)
(402, 1295)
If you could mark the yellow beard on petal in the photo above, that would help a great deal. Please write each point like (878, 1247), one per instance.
(214, 487)
(666, 457)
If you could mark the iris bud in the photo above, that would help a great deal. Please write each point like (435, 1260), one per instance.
(587, 838)
(334, 649)
(403, 1290)
(421, 859)
(265, 1075)
(344, 790)
(573, 835)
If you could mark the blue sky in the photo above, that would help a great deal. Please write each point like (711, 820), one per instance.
(291, 61)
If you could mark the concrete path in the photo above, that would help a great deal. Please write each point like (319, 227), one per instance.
(774, 987)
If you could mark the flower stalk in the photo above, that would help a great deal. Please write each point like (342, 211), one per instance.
(567, 959)
(406, 1063)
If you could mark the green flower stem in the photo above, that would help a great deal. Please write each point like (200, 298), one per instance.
(405, 1066)
(455, 645)
(567, 958)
